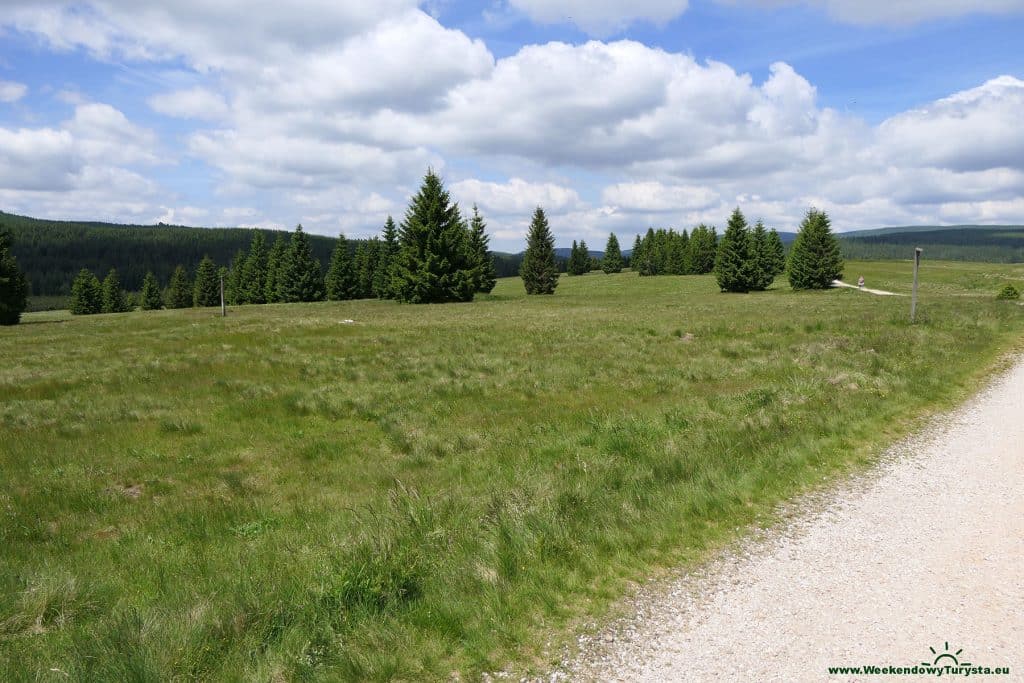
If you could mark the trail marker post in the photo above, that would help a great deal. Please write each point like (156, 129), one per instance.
(913, 296)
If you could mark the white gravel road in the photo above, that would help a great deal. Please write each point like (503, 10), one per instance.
(926, 551)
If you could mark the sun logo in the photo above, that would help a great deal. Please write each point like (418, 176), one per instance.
(949, 657)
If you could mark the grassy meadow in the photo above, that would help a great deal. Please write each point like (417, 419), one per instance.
(430, 492)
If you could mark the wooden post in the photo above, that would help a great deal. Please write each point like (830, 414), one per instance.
(223, 308)
(913, 296)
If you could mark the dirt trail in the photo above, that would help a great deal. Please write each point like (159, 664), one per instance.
(925, 551)
(879, 292)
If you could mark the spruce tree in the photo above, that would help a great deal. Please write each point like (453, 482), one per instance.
(233, 290)
(388, 250)
(86, 294)
(114, 299)
(13, 284)
(299, 277)
(364, 270)
(612, 261)
(179, 291)
(762, 271)
(206, 289)
(341, 278)
(678, 251)
(647, 264)
(733, 265)
(584, 260)
(253, 281)
(778, 253)
(815, 260)
(635, 254)
(486, 276)
(572, 266)
(151, 299)
(539, 269)
(275, 265)
(434, 263)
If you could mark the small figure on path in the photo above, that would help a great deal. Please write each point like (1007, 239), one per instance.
(860, 282)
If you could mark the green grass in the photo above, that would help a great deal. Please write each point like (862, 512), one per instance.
(279, 495)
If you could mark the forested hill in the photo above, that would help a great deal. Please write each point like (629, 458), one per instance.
(52, 252)
(990, 243)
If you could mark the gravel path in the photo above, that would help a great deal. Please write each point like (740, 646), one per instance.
(879, 292)
(925, 550)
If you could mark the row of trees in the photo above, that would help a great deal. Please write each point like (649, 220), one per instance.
(748, 260)
(667, 252)
(13, 284)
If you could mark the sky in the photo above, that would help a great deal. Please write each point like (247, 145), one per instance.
(612, 116)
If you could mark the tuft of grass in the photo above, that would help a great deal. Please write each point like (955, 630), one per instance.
(277, 496)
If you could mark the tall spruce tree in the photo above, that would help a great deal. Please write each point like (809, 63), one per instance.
(253, 281)
(572, 266)
(179, 291)
(777, 252)
(815, 260)
(234, 292)
(151, 299)
(486, 276)
(300, 277)
(635, 253)
(388, 251)
(86, 294)
(539, 269)
(762, 271)
(434, 263)
(114, 298)
(206, 289)
(733, 266)
(275, 265)
(13, 284)
(612, 261)
(341, 277)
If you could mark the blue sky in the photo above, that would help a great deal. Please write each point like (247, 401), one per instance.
(614, 116)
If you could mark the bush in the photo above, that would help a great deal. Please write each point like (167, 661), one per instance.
(1008, 292)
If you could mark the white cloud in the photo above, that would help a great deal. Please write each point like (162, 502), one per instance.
(12, 92)
(600, 17)
(900, 12)
(517, 196)
(193, 103)
(653, 196)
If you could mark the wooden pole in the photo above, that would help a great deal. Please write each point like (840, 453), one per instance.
(224, 309)
(913, 297)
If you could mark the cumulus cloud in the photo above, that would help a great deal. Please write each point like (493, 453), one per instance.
(193, 103)
(899, 13)
(600, 17)
(517, 196)
(12, 92)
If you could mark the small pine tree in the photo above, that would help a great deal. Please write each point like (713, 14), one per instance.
(678, 251)
(572, 266)
(733, 266)
(636, 254)
(206, 290)
(300, 278)
(252, 284)
(341, 278)
(179, 291)
(13, 285)
(647, 264)
(815, 260)
(364, 269)
(486, 276)
(114, 299)
(539, 269)
(151, 299)
(275, 264)
(612, 261)
(762, 268)
(703, 248)
(1008, 293)
(86, 294)
(434, 263)
(388, 251)
(777, 253)
(234, 292)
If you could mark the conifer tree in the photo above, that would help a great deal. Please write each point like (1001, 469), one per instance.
(233, 292)
(678, 251)
(762, 271)
(206, 289)
(584, 265)
(572, 266)
(539, 269)
(299, 277)
(434, 263)
(635, 254)
(86, 294)
(341, 277)
(703, 249)
(733, 266)
(815, 260)
(114, 299)
(647, 264)
(13, 284)
(612, 261)
(388, 251)
(179, 291)
(253, 280)
(151, 299)
(486, 276)
(364, 266)
(275, 265)
(777, 252)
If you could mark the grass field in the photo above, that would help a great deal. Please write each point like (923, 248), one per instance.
(432, 490)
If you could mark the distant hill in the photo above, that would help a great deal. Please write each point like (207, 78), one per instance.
(987, 243)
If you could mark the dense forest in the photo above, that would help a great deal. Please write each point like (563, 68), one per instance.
(993, 244)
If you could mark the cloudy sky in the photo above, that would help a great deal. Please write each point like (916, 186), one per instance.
(614, 116)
